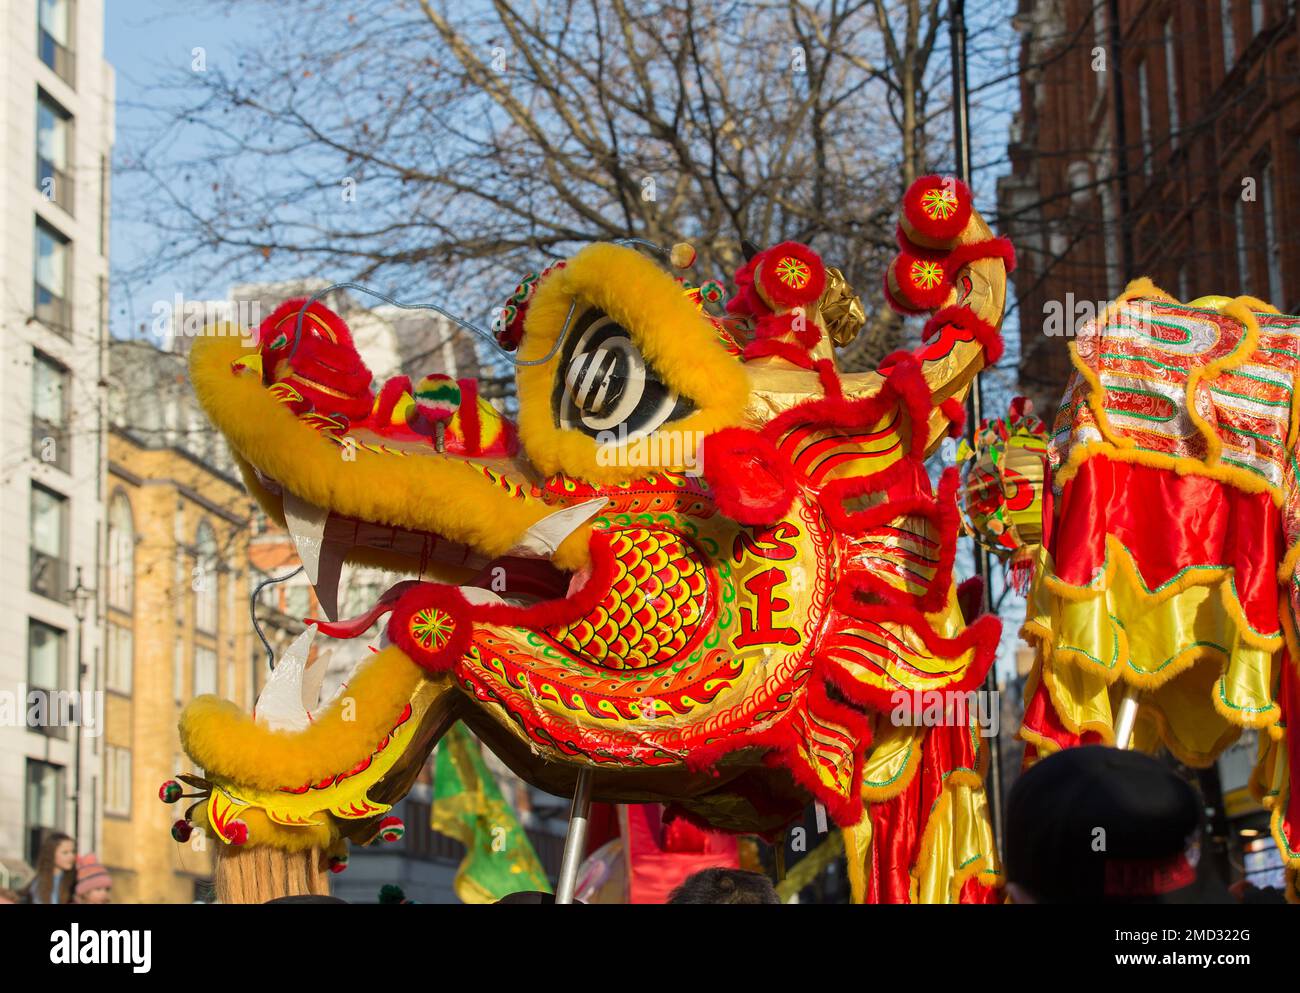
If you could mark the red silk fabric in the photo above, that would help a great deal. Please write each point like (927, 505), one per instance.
(660, 856)
(1169, 522)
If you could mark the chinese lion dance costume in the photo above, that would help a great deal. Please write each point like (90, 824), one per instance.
(1168, 580)
(731, 641)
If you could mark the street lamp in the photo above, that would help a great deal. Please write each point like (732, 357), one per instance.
(80, 596)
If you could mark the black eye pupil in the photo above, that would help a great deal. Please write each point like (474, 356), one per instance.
(605, 385)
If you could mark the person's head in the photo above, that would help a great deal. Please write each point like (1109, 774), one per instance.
(94, 885)
(58, 854)
(1099, 825)
(725, 886)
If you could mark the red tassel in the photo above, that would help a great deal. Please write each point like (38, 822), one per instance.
(1022, 572)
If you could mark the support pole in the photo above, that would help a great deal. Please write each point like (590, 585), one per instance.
(575, 842)
(1126, 717)
(961, 145)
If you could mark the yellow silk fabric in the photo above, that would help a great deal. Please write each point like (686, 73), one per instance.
(1202, 674)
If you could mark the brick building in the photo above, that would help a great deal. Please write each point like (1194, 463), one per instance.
(1154, 138)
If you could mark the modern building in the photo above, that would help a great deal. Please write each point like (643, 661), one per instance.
(1154, 137)
(56, 118)
(176, 598)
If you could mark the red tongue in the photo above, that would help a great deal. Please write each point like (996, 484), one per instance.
(354, 627)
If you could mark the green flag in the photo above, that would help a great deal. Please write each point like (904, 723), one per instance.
(468, 806)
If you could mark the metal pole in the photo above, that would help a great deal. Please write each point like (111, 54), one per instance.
(575, 842)
(961, 143)
(1126, 717)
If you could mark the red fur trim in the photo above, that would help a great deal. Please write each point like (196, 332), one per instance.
(783, 349)
(843, 810)
(956, 414)
(470, 426)
(454, 608)
(751, 480)
(746, 302)
(982, 636)
(559, 613)
(941, 510)
(830, 378)
(970, 597)
(967, 320)
(991, 248)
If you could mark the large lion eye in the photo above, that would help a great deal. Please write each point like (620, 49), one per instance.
(606, 385)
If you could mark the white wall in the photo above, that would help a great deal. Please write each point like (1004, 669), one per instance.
(21, 202)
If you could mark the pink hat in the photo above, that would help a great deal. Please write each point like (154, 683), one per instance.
(91, 875)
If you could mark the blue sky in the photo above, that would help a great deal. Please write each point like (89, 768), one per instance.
(145, 40)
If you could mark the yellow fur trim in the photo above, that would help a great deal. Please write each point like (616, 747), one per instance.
(672, 336)
(1242, 479)
(223, 739)
(446, 496)
(1239, 311)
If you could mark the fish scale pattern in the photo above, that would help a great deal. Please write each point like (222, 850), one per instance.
(653, 609)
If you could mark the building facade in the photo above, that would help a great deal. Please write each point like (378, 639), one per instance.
(1156, 138)
(56, 117)
(176, 612)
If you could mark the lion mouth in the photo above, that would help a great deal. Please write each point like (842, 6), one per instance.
(325, 538)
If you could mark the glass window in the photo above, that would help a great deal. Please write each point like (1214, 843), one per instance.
(50, 411)
(117, 781)
(54, 37)
(1242, 237)
(1272, 243)
(1171, 80)
(205, 670)
(120, 658)
(121, 554)
(1144, 115)
(53, 152)
(44, 803)
(1256, 16)
(49, 543)
(1229, 36)
(46, 656)
(52, 279)
(205, 580)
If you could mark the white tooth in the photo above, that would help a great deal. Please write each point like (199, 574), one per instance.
(329, 570)
(478, 595)
(280, 705)
(542, 539)
(306, 524)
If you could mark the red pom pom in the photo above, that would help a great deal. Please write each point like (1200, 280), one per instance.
(181, 831)
(936, 209)
(338, 863)
(956, 415)
(790, 275)
(751, 482)
(918, 278)
(238, 832)
(431, 624)
(170, 791)
(392, 829)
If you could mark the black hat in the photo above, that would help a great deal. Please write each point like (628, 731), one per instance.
(1098, 825)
